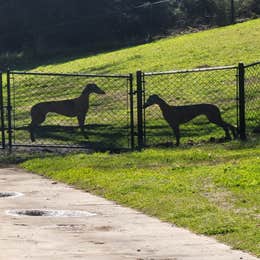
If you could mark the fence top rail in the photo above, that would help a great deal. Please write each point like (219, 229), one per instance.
(189, 70)
(126, 76)
(252, 64)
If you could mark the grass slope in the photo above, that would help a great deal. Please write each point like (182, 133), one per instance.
(221, 46)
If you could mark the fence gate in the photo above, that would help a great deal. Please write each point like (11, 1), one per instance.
(109, 119)
(110, 123)
(216, 86)
(2, 121)
(252, 98)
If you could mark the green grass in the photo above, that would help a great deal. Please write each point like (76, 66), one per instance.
(221, 46)
(212, 190)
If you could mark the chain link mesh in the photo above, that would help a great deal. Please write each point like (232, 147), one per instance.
(107, 120)
(252, 98)
(218, 87)
(2, 135)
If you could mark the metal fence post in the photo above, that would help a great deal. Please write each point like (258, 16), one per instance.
(140, 110)
(9, 110)
(232, 12)
(2, 111)
(131, 93)
(241, 85)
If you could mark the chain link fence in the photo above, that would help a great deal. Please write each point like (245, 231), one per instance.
(252, 98)
(116, 119)
(216, 86)
(2, 119)
(108, 119)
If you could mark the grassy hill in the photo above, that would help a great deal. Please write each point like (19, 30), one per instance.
(221, 46)
(108, 121)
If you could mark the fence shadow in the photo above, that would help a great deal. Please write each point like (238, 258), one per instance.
(101, 137)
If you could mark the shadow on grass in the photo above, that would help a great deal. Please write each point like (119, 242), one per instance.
(191, 130)
(100, 137)
(107, 137)
(191, 134)
(28, 61)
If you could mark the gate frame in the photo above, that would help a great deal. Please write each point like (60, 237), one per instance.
(240, 97)
(130, 105)
(7, 141)
(241, 102)
(9, 111)
(244, 87)
(2, 112)
(140, 110)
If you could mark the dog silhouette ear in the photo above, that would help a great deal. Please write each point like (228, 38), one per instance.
(154, 96)
(91, 85)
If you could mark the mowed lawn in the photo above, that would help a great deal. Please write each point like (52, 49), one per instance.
(210, 189)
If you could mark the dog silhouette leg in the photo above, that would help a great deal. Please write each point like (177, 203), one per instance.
(176, 131)
(81, 121)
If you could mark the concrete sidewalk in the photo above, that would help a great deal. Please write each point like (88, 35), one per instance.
(115, 232)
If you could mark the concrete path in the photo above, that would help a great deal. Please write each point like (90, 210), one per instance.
(115, 232)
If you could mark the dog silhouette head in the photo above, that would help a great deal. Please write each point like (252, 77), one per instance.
(92, 88)
(153, 99)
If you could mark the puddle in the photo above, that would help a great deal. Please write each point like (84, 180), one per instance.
(49, 213)
(10, 194)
